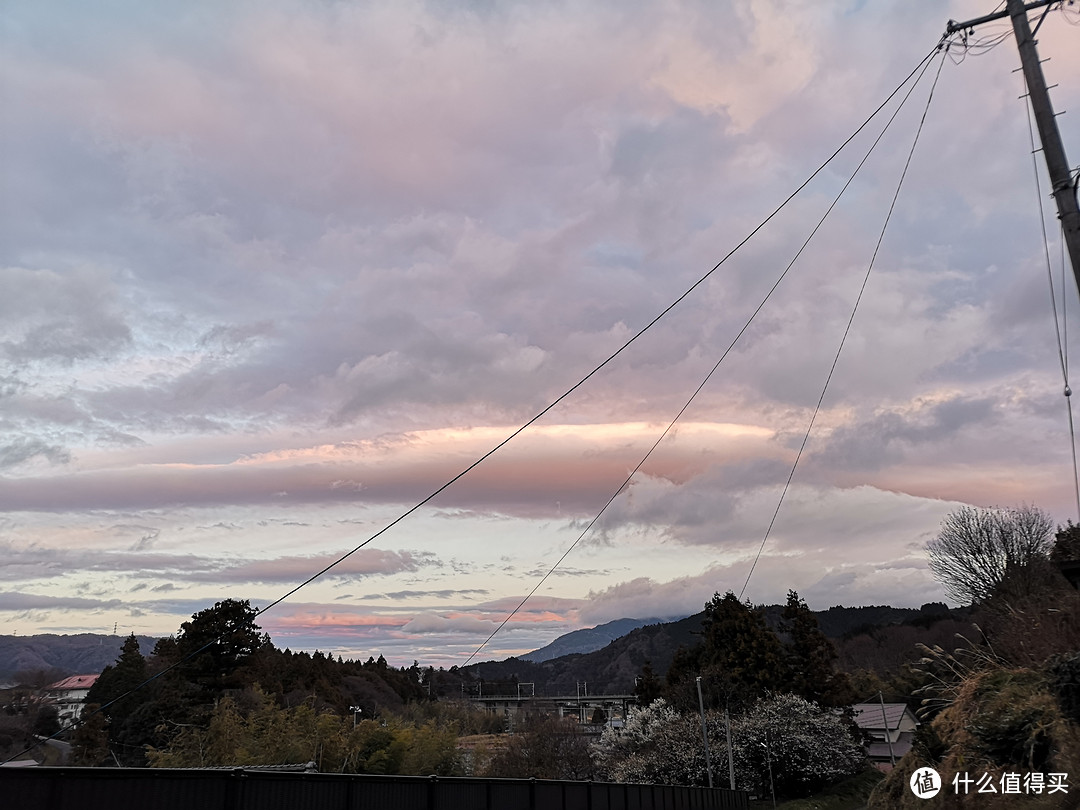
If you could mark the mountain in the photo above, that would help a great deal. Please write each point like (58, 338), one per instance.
(609, 670)
(876, 638)
(52, 657)
(588, 639)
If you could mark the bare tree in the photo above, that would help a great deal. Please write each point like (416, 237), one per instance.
(980, 551)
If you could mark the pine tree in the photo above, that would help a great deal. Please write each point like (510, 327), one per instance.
(811, 657)
(111, 691)
(647, 687)
(739, 658)
(219, 640)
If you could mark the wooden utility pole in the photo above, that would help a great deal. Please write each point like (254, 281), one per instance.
(1062, 180)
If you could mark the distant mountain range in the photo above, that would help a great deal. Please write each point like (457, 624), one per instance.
(588, 639)
(52, 657)
(612, 668)
(608, 657)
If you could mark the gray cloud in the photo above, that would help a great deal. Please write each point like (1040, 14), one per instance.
(25, 449)
(44, 563)
(61, 317)
(13, 600)
(886, 438)
(244, 232)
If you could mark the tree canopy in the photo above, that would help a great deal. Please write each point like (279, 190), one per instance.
(739, 658)
(979, 552)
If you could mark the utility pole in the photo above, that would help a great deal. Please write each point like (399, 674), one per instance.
(705, 732)
(730, 755)
(888, 733)
(1061, 178)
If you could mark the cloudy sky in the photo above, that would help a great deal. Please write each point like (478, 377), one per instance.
(272, 272)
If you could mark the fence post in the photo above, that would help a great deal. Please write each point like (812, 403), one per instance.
(234, 790)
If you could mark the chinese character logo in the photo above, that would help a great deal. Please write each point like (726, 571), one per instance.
(925, 783)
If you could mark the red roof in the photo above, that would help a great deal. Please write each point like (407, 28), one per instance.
(74, 682)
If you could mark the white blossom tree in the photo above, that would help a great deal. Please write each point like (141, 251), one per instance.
(808, 747)
(659, 746)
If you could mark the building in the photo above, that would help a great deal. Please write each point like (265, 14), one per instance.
(889, 729)
(68, 696)
(593, 712)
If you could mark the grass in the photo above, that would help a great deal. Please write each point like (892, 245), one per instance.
(850, 794)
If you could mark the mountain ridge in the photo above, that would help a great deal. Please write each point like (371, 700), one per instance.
(589, 639)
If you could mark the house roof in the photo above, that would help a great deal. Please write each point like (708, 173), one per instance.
(74, 682)
(868, 715)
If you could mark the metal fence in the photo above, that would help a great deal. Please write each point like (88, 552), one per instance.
(240, 789)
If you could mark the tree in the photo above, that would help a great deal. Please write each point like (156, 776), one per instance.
(980, 553)
(47, 721)
(806, 747)
(738, 658)
(1066, 552)
(91, 741)
(811, 657)
(111, 691)
(219, 639)
(647, 687)
(546, 748)
(657, 745)
(250, 729)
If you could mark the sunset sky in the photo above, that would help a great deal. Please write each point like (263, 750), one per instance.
(274, 271)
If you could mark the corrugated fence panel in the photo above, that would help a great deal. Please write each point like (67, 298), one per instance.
(575, 796)
(459, 795)
(599, 796)
(239, 789)
(286, 792)
(549, 794)
(506, 795)
(401, 795)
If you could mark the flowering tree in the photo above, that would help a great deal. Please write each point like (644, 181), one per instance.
(659, 746)
(806, 746)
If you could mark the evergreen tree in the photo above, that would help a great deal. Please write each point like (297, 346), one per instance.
(739, 658)
(112, 687)
(647, 687)
(90, 745)
(811, 657)
(219, 640)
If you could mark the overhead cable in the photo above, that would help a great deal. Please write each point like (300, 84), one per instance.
(1062, 341)
(626, 482)
(847, 329)
(535, 418)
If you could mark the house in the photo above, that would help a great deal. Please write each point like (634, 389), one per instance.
(68, 696)
(889, 730)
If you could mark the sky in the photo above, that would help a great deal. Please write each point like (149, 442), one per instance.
(273, 272)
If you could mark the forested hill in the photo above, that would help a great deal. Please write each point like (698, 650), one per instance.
(876, 633)
(612, 668)
(589, 639)
(49, 657)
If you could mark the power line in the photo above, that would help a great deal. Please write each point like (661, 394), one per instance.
(925, 59)
(1062, 343)
(626, 482)
(610, 357)
(847, 329)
